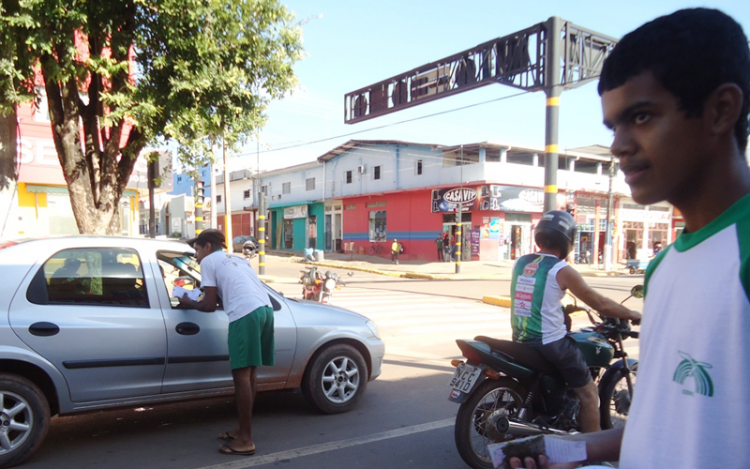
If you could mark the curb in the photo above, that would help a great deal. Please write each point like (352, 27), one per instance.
(503, 301)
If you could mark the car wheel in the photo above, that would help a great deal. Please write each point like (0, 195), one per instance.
(335, 379)
(24, 419)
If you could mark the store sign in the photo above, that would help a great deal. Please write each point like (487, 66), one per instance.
(512, 199)
(448, 200)
(297, 211)
(650, 216)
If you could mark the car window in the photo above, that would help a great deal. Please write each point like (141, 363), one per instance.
(91, 276)
(178, 270)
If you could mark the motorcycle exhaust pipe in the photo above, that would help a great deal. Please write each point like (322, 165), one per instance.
(522, 429)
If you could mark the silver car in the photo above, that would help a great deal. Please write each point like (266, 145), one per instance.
(90, 323)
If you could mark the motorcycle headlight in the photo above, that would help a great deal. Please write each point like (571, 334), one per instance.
(330, 284)
(374, 329)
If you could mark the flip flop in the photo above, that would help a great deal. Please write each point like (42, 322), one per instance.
(226, 436)
(226, 449)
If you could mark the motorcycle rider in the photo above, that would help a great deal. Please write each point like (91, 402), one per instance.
(540, 281)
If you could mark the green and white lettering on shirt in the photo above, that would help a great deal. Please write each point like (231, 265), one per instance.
(536, 311)
(691, 404)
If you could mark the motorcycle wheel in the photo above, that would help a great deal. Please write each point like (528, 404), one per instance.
(616, 399)
(475, 422)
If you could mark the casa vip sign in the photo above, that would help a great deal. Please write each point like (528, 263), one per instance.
(447, 200)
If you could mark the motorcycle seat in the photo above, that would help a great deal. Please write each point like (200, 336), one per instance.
(521, 354)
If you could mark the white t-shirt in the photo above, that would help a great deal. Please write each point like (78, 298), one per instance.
(238, 286)
(691, 406)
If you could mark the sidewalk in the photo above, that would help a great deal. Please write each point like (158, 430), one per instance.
(474, 270)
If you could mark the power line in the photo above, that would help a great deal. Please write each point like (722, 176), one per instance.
(391, 124)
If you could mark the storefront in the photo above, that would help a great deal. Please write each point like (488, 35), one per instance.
(644, 227)
(295, 227)
(496, 222)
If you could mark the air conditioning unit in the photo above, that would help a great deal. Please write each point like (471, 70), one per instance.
(361, 169)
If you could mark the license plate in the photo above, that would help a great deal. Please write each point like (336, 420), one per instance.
(465, 377)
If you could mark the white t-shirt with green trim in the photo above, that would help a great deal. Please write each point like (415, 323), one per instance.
(691, 407)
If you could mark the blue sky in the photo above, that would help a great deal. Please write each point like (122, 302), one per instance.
(351, 44)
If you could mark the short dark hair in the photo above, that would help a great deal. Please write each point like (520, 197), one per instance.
(552, 241)
(691, 53)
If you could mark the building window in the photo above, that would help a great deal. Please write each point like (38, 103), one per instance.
(419, 167)
(378, 226)
(218, 199)
(310, 184)
(348, 177)
(179, 178)
(246, 194)
(41, 112)
(264, 190)
(376, 172)
(286, 188)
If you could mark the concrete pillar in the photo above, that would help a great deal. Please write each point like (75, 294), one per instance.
(482, 155)
(503, 155)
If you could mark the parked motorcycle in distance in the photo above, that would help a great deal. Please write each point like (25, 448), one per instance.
(319, 287)
(250, 248)
(508, 390)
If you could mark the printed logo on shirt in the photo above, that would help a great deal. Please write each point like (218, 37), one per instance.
(524, 296)
(524, 288)
(530, 269)
(689, 368)
(522, 308)
(526, 281)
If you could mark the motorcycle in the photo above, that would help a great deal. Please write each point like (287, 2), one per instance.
(250, 249)
(508, 390)
(319, 287)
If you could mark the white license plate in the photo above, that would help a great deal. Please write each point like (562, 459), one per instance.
(465, 377)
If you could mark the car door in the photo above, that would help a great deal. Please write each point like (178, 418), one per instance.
(198, 356)
(93, 313)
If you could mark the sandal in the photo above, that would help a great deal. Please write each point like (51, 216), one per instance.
(227, 435)
(226, 449)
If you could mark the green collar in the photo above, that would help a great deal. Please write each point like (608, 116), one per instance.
(732, 215)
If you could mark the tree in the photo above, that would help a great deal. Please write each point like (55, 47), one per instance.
(121, 74)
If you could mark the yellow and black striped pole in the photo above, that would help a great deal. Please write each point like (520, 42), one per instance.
(552, 117)
(261, 233)
(198, 207)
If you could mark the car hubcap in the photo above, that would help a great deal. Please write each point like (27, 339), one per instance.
(340, 379)
(15, 421)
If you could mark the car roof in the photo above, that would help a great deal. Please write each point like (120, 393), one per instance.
(80, 241)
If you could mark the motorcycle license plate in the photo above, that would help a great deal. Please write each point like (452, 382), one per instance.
(465, 377)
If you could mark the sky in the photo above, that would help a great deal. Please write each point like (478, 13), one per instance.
(354, 43)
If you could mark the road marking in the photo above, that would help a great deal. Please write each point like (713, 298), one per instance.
(332, 446)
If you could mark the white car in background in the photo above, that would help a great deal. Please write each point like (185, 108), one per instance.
(90, 323)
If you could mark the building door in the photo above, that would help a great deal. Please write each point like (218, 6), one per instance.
(289, 233)
(328, 232)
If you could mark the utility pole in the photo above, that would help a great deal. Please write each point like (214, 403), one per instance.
(153, 173)
(552, 116)
(227, 202)
(610, 202)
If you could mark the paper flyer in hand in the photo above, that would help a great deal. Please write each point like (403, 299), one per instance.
(193, 294)
(558, 450)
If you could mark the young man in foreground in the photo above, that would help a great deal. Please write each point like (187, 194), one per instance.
(251, 333)
(676, 94)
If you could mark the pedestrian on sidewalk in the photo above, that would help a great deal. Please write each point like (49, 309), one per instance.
(446, 247)
(251, 330)
(439, 245)
(395, 251)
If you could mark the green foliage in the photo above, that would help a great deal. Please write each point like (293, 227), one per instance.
(185, 70)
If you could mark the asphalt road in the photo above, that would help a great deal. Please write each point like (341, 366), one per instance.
(403, 421)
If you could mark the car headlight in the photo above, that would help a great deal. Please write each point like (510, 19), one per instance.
(374, 329)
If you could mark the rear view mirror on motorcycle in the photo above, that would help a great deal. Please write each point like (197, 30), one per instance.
(637, 291)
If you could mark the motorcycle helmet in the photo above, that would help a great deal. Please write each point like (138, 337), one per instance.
(556, 230)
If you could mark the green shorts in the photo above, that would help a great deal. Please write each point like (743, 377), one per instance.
(251, 341)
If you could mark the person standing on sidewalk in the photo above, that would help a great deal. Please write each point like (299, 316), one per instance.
(446, 247)
(251, 332)
(439, 245)
(395, 251)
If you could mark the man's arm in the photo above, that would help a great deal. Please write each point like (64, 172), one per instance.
(207, 304)
(569, 278)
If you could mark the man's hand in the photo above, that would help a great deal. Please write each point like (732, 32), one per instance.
(635, 317)
(186, 301)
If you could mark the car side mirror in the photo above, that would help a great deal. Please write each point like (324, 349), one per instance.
(637, 291)
(350, 273)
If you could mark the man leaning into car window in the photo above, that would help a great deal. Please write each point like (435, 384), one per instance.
(251, 333)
